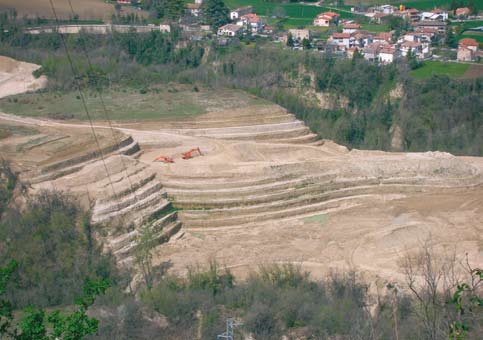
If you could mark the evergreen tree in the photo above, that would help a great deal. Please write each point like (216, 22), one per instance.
(290, 41)
(215, 13)
(450, 38)
(306, 44)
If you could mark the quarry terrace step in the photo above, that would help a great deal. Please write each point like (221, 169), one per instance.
(259, 128)
(76, 164)
(235, 200)
(157, 226)
(141, 208)
(263, 135)
(233, 122)
(160, 237)
(250, 190)
(270, 215)
(121, 202)
(240, 212)
(210, 183)
(304, 139)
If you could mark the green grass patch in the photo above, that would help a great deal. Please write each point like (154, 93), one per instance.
(9, 130)
(375, 28)
(430, 4)
(440, 68)
(478, 36)
(128, 104)
(317, 219)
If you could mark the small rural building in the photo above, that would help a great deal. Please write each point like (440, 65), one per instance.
(299, 34)
(351, 28)
(435, 15)
(230, 30)
(414, 47)
(251, 21)
(467, 49)
(340, 39)
(462, 12)
(237, 13)
(326, 18)
(387, 55)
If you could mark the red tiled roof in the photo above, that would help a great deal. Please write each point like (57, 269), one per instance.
(352, 26)
(341, 36)
(251, 17)
(462, 10)
(468, 42)
(331, 14)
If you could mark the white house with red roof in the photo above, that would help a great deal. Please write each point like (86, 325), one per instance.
(326, 18)
(467, 49)
(237, 13)
(340, 39)
(251, 21)
(350, 28)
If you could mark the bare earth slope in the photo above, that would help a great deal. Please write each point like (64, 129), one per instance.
(264, 190)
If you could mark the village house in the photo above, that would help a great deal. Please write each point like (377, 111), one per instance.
(439, 26)
(361, 38)
(383, 38)
(412, 14)
(299, 34)
(230, 30)
(351, 28)
(414, 47)
(385, 9)
(371, 52)
(237, 13)
(340, 39)
(435, 15)
(387, 55)
(462, 12)
(467, 49)
(326, 18)
(251, 21)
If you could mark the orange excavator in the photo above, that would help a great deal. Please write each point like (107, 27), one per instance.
(189, 154)
(164, 159)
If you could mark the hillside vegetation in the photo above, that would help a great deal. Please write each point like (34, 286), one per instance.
(432, 113)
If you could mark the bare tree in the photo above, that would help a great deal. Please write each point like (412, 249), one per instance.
(431, 278)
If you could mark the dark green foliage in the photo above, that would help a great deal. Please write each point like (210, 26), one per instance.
(52, 243)
(215, 13)
(36, 324)
(7, 184)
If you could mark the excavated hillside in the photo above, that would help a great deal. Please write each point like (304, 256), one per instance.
(264, 189)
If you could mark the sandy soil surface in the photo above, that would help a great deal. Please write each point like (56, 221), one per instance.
(16, 77)
(264, 189)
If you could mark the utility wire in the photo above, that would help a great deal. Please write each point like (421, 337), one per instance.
(104, 108)
(84, 103)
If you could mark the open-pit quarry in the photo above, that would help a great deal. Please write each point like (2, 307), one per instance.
(264, 189)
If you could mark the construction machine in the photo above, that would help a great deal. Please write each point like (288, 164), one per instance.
(164, 159)
(189, 154)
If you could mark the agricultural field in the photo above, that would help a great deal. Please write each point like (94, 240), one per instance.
(86, 9)
(440, 68)
(173, 101)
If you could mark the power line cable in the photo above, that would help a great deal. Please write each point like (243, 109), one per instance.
(104, 108)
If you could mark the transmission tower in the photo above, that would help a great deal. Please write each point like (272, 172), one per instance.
(231, 323)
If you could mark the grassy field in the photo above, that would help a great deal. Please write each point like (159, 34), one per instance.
(8, 130)
(127, 104)
(375, 28)
(86, 9)
(419, 4)
(440, 68)
(298, 15)
(478, 36)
